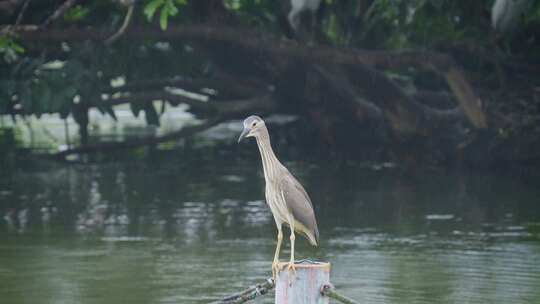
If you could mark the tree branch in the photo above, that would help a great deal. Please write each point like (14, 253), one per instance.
(144, 141)
(225, 111)
(9, 6)
(196, 105)
(227, 86)
(58, 12)
(124, 26)
(466, 97)
(21, 13)
(229, 108)
(266, 44)
(255, 40)
(437, 100)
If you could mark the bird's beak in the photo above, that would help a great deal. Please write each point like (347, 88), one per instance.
(244, 134)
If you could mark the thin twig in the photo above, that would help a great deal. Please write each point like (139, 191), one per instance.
(124, 26)
(21, 13)
(58, 12)
(8, 29)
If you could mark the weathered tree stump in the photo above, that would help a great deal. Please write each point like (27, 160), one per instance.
(305, 286)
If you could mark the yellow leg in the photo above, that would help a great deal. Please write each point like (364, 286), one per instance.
(275, 267)
(291, 267)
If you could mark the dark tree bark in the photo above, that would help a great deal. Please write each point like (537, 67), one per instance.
(338, 88)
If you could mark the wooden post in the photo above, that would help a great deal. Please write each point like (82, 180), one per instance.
(305, 287)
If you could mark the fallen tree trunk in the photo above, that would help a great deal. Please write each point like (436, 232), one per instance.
(263, 43)
(223, 112)
(464, 93)
(139, 142)
(224, 86)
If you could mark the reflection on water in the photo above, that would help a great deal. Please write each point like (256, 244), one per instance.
(50, 132)
(191, 227)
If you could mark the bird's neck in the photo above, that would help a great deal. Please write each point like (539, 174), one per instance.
(269, 159)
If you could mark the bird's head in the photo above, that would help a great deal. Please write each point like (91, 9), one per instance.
(253, 126)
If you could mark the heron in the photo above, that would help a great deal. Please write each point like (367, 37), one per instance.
(288, 200)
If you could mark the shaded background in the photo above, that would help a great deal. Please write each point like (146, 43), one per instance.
(412, 124)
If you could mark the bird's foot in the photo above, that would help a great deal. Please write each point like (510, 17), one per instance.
(291, 267)
(291, 272)
(275, 269)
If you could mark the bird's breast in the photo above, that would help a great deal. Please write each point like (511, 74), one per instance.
(275, 201)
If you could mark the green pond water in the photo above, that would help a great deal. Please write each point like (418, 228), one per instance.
(190, 226)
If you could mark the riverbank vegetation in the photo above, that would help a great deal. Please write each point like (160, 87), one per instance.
(423, 81)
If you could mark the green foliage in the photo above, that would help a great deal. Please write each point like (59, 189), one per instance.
(151, 115)
(255, 12)
(400, 24)
(7, 137)
(85, 71)
(35, 87)
(9, 141)
(7, 42)
(9, 48)
(533, 15)
(76, 13)
(136, 108)
(39, 90)
(167, 8)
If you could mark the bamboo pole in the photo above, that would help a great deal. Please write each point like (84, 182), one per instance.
(330, 292)
(304, 287)
(248, 294)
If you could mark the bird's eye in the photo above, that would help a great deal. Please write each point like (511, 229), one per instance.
(254, 124)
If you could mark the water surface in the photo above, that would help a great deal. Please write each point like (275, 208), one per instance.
(190, 226)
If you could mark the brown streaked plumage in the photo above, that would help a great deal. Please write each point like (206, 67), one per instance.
(289, 202)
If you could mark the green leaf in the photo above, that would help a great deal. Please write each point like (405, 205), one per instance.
(7, 87)
(26, 98)
(151, 115)
(151, 7)
(136, 108)
(101, 109)
(79, 115)
(171, 8)
(76, 13)
(69, 93)
(4, 41)
(64, 113)
(17, 47)
(8, 44)
(45, 98)
(111, 113)
(163, 106)
(39, 105)
(164, 14)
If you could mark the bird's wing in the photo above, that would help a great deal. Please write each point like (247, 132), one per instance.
(299, 203)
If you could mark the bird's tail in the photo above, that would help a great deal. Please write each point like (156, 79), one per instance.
(313, 237)
(311, 234)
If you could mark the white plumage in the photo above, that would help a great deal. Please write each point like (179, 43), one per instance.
(298, 6)
(506, 14)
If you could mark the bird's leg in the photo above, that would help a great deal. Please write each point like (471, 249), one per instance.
(275, 267)
(291, 267)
